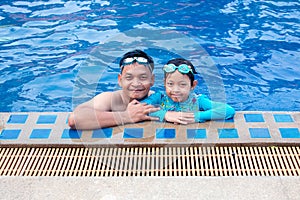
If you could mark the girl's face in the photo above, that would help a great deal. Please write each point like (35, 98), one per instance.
(178, 86)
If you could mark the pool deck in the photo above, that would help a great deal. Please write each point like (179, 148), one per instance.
(247, 128)
(116, 188)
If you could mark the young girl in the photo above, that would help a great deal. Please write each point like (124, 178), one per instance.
(179, 104)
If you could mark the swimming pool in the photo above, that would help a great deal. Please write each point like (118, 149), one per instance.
(47, 47)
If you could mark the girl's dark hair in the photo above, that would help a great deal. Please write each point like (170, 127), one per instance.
(179, 61)
(137, 53)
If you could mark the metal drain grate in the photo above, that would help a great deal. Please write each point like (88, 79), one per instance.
(151, 161)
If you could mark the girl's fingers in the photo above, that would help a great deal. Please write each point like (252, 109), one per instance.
(182, 122)
(189, 115)
(186, 120)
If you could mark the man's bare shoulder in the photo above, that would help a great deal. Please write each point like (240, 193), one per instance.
(107, 100)
(108, 95)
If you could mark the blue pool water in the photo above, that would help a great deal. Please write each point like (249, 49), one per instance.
(55, 54)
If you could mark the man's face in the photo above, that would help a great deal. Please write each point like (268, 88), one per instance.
(136, 80)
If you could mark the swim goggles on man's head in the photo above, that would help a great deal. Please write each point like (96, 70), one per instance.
(140, 60)
(183, 68)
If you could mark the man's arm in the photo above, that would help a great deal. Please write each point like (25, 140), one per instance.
(92, 115)
(97, 113)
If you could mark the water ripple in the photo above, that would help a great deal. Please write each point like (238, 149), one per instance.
(255, 45)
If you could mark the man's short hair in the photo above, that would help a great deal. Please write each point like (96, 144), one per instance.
(138, 53)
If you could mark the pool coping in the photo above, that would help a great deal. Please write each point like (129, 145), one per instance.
(44, 129)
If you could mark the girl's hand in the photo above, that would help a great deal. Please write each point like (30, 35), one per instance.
(180, 117)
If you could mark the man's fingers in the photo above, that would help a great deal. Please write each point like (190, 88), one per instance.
(134, 101)
(146, 106)
(153, 118)
(150, 110)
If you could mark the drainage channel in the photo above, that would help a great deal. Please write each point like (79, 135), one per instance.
(150, 161)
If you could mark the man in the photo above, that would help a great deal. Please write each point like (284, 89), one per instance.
(120, 107)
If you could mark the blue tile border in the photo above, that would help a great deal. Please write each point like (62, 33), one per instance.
(289, 132)
(17, 119)
(10, 134)
(254, 118)
(46, 119)
(259, 133)
(283, 118)
(133, 133)
(71, 134)
(228, 133)
(42, 128)
(196, 133)
(168, 133)
(230, 120)
(40, 133)
(102, 133)
(67, 119)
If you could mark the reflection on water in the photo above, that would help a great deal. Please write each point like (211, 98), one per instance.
(45, 47)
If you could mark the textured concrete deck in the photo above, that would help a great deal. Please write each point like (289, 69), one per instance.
(115, 188)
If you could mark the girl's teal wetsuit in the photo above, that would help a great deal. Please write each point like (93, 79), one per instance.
(203, 108)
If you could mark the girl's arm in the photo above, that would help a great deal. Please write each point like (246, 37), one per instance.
(212, 110)
(170, 116)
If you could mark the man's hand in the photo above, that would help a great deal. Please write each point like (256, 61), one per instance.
(180, 117)
(139, 111)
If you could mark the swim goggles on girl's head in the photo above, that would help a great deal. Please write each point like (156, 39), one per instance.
(183, 68)
(140, 60)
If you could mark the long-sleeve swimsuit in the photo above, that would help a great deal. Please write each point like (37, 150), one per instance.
(203, 108)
